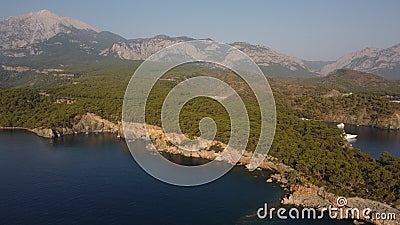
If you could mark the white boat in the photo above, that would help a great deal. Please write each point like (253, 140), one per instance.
(351, 136)
(340, 125)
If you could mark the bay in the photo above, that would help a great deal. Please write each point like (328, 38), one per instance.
(93, 179)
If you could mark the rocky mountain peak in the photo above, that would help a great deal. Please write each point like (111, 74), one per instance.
(384, 62)
(21, 31)
(41, 13)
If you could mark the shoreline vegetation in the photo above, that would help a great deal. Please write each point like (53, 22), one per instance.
(298, 192)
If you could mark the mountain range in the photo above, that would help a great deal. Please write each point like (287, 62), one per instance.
(383, 62)
(44, 39)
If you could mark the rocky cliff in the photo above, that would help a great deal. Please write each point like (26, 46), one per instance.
(311, 196)
(88, 123)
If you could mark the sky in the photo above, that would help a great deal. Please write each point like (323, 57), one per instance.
(308, 29)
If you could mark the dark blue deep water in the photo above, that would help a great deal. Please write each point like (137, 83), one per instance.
(375, 141)
(92, 179)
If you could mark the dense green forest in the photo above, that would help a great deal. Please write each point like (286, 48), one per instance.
(316, 151)
(347, 80)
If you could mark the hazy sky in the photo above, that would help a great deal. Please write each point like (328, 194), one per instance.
(311, 30)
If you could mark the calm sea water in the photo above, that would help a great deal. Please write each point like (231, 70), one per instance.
(375, 141)
(92, 179)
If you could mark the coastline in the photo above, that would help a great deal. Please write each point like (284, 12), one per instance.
(88, 123)
(304, 195)
(391, 123)
(15, 128)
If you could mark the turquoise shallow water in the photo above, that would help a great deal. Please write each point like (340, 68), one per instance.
(92, 179)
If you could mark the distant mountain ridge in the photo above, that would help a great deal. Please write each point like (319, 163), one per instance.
(316, 66)
(141, 48)
(383, 62)
(45, 38)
